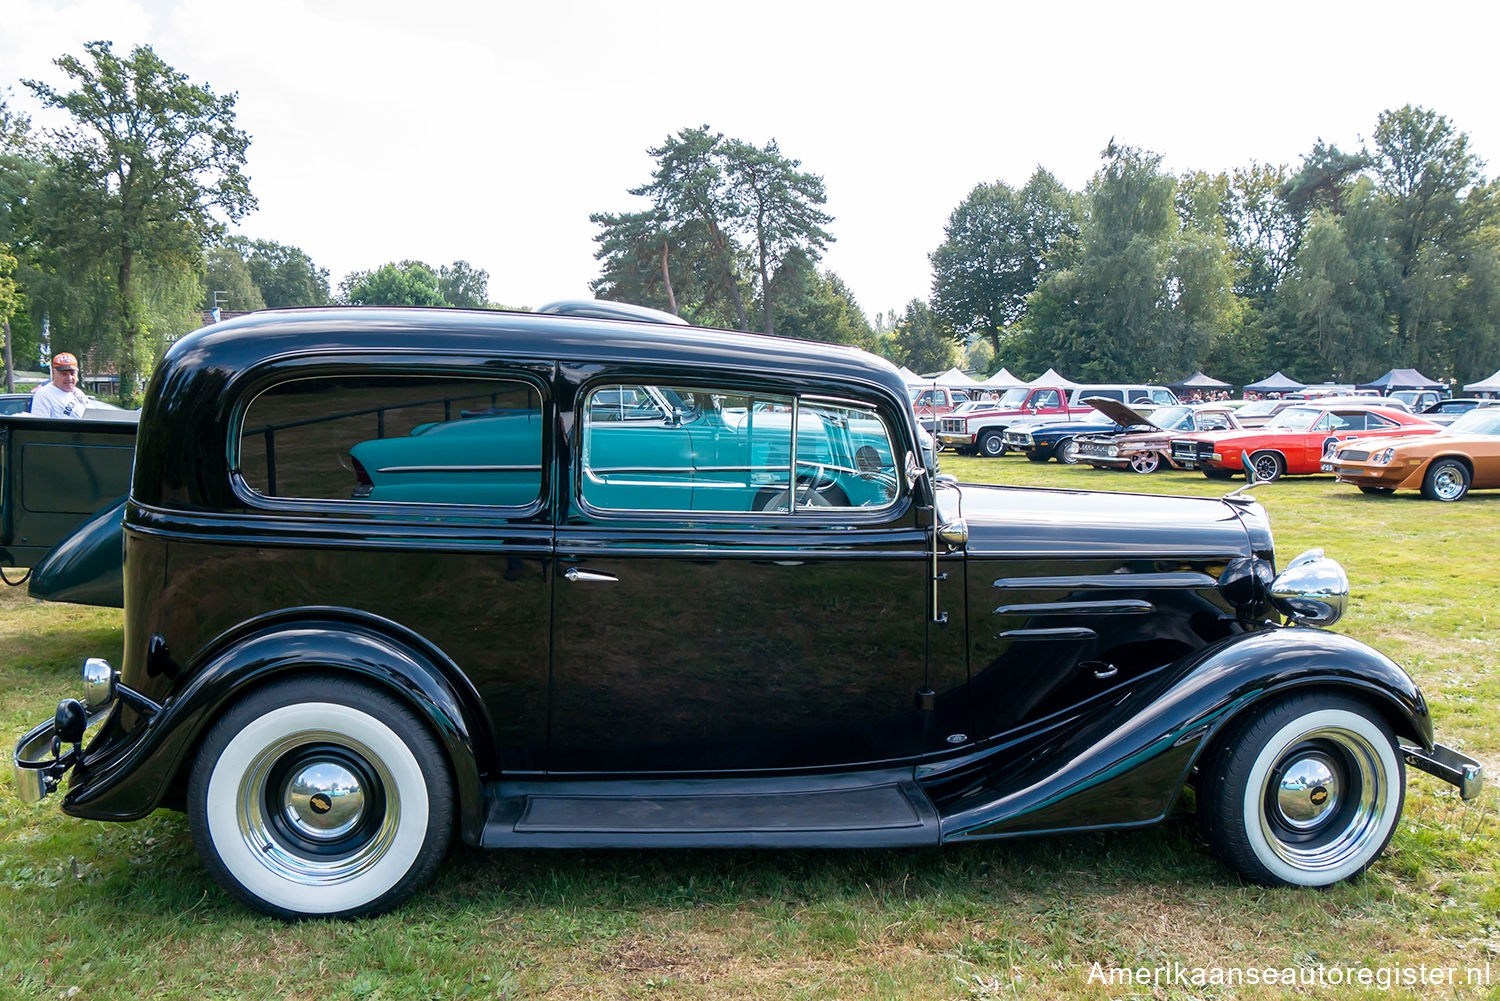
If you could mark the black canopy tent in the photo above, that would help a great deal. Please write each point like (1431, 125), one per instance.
(1277, 383)
(1197, 381)
(1402, 378)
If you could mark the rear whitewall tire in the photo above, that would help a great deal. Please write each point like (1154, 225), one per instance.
(263, 838)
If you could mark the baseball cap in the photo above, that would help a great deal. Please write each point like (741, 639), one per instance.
(64, 360)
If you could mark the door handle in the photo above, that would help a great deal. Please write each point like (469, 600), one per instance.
(573, 573)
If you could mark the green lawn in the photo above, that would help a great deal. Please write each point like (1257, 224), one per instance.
(126, 911)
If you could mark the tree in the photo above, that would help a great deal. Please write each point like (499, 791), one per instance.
(463, 285)
(410, 283)
(818, 306)
(780, 206)
(688, 186)
(684, 252)
(227, 281)
(1148, 284)
(1424, 167)
(149, 159)
(995, 251)
(921, 341)
(286, 276)
(14, 178)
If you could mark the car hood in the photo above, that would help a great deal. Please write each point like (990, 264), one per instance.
(1119, 412)
(1030, 523)
(1427, 444)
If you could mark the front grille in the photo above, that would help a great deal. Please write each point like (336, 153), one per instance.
(1353, 455)
(952, 425)
(1187, 450)
(1018, 438)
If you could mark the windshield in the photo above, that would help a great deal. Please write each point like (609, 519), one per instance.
(1173, 418)
(1260, 408)
(1295, 419)
(1486, 421)
(1014, 397)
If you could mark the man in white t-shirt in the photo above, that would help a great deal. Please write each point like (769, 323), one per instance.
(61, 397)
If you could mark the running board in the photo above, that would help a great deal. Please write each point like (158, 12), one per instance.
(862, 810)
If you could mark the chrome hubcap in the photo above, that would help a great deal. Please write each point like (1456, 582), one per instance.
(1308, 793)
(317, 807)
(1447, 483)
(324, 800)
(1324, 800)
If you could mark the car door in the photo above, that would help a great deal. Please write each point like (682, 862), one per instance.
(771, 621)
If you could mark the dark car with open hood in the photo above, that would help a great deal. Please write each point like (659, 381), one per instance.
(394, 577)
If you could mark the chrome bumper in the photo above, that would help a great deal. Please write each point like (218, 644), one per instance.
(48, 752)
(40, 761)
(1450, 766)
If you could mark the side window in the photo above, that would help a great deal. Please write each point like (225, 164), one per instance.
(724, 450)
(1109, 394)
(405, 439)
(1163, 397)
(1212, 422)
(1373, 421)
(1326, 422)
(1044, 399)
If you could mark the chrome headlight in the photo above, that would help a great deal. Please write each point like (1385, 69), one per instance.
(1112, 450)
(1312, 589)
(1383, 457)
(98, 682)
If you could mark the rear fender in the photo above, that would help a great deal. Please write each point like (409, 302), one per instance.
(128, 779)
(87, 567)
(1126, 762)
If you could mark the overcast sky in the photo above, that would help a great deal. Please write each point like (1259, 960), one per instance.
(488, 131)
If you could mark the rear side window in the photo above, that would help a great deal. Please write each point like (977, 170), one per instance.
(718, 450)
(402, 439)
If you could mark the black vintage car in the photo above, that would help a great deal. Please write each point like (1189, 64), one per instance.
(395, 576)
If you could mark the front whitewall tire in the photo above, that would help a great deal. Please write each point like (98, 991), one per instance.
(1364, 837)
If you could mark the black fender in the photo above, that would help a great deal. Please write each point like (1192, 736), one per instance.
(126, 778)
(86, 568)
(1124, 761)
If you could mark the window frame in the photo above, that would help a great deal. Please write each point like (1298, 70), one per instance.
(712, 382)
(537, 378)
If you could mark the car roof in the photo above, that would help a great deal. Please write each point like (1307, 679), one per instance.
(196, 388)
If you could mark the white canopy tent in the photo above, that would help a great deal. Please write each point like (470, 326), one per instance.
(1002, 380)
(957, 379)
(1490, 385)
(911, 377)
(1051, 379)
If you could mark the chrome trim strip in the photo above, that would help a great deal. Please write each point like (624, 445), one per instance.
(1110, 581)
(1073, 633)
(1126, 607)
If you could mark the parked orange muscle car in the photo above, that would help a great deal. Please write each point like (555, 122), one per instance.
(1444, 466)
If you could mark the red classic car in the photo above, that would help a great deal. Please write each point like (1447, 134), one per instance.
(1294, 441)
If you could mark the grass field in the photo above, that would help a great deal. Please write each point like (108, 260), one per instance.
(99, 911)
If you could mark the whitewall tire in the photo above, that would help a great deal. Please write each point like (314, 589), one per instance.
(1305, 793)
(321, 797)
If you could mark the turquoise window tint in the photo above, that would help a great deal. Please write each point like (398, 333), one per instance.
(403, 439)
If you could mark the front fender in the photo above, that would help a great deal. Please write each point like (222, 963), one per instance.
(126, 778)
(1125, 762)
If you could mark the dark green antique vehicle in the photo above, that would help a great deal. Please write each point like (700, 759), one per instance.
(396, 576)
(62, 491)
